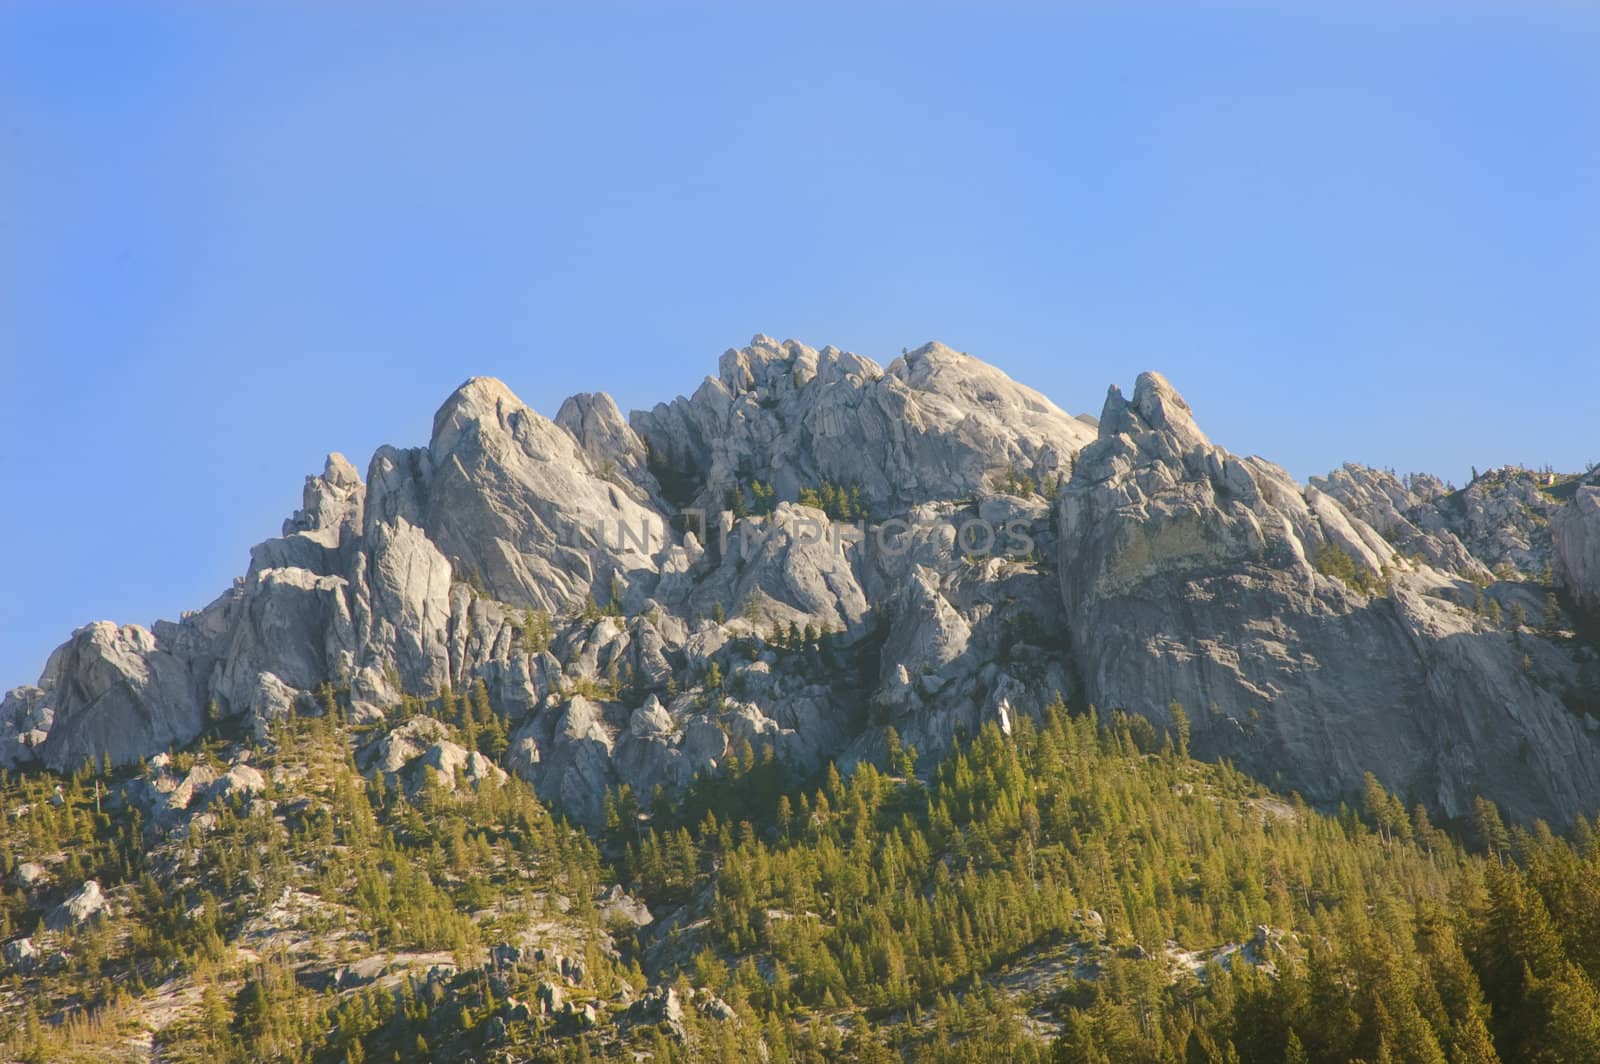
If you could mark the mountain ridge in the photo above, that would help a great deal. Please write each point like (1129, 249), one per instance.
(428, 575)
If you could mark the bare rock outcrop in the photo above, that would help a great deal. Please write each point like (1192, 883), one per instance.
(566, 754)
(26, 715)
(20, 955)
(936, 424)
(116, 693)
(1405, 512)
(614, 450)
(1499, 524)
(1576, 535)
(1189, 575)
(81, 906)
(1504, 519)
(518, 508)
(792, 566)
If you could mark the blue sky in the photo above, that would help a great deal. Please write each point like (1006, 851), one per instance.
(235, 237)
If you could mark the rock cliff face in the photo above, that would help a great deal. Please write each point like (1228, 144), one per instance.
(114, 689)
(1191, 575)
(517, 505)
(1577, 551)
(1312, 633)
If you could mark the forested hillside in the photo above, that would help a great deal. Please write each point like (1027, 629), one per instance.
(1077, 890)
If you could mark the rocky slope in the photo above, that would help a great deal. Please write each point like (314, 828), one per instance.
(1500, 523)
(985, 550)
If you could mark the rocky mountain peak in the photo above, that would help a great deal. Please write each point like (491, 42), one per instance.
(338, 471)
(1156, 407)
(936, 424)
(933, 353)
(770, 369)
(610, 443)
(1163, 409)
(329, 501)
(518, 506)
(478, 402)
(597, 424)
(941, 372)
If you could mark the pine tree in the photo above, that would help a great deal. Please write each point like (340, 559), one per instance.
(1550, 628)
(536, 632)
(1180, 726)
(1491, 829)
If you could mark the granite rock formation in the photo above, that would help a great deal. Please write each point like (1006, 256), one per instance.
(1003, 552)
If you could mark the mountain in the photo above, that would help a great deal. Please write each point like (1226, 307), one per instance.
(1312, 633)
(834, 712)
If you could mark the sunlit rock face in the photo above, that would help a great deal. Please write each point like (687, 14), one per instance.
(1190, 575)
(936, 424)
(1577, 551)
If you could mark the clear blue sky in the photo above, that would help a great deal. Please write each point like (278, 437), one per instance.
(233, 238)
